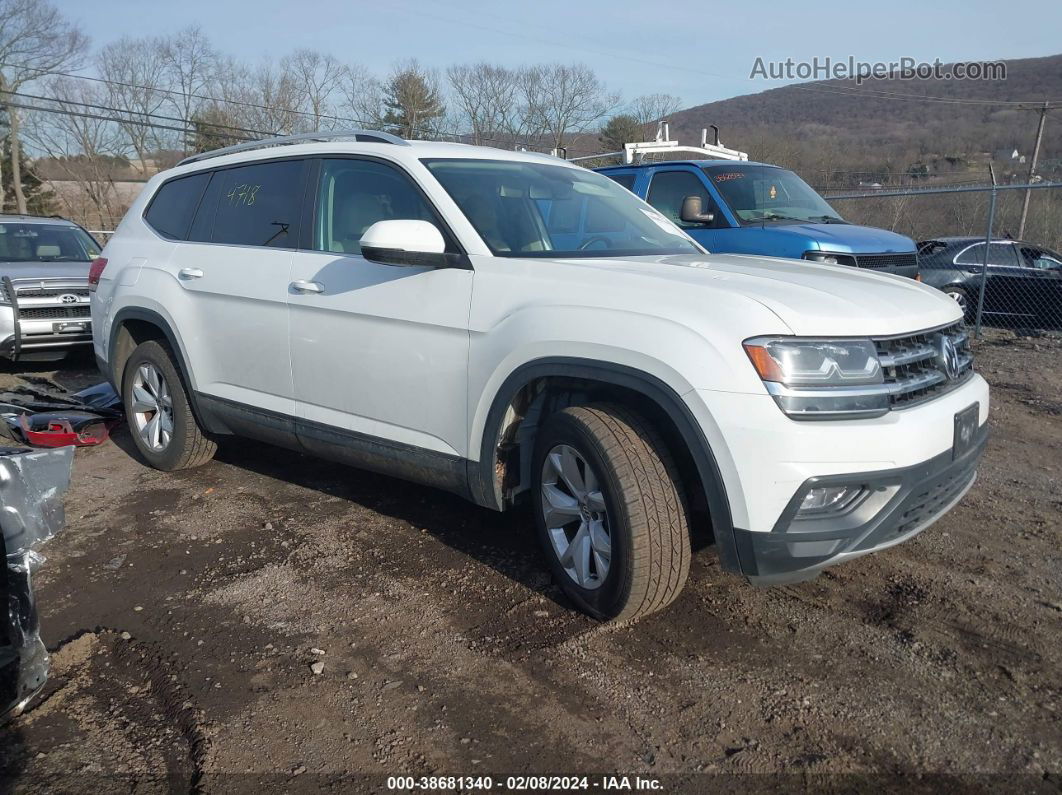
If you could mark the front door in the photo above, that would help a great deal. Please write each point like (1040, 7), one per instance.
(379, 352)
(666, 193)
(1044, 285)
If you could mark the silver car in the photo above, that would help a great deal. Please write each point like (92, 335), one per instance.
(44, 292)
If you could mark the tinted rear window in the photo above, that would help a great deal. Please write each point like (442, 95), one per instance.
(253, 205)
(171, 211)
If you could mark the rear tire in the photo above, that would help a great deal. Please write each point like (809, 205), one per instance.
(158, 412)
(640, 563)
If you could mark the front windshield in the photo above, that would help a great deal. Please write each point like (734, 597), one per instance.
(523, 209)
(759, 194)
(45, 243)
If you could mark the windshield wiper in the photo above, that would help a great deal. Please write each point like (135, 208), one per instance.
(827, 219)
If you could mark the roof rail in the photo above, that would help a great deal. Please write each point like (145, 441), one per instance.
(368, 136)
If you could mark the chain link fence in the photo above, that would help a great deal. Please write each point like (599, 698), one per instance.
(970, 246)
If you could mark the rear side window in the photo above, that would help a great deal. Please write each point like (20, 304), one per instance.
(253, 205)
(998, 254)
(170, 213)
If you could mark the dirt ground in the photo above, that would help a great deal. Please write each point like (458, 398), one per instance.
(184, 612)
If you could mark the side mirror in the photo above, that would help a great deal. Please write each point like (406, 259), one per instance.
(692, 211)
(407, 243)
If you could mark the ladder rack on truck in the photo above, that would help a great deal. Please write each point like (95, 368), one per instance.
(635, 152)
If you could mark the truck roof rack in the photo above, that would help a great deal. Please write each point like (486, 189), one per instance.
(366, 136)
(634, 153)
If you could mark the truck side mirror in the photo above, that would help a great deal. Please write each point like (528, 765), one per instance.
(692, 211)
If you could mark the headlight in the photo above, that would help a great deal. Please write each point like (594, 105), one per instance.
(821, 379)
(829, 257)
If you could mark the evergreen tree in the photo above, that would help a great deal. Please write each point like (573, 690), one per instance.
(619, 130)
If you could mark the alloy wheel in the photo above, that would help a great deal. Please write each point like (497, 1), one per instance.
(152, 407)
(576, 518)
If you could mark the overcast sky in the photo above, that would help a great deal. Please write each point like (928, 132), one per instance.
(698, 51)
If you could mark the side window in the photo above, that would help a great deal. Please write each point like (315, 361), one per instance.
(253, 205)
(1039, 258)
(998, 254)
(626, 180)
(669, 188)
(352, 195)
(171, 210)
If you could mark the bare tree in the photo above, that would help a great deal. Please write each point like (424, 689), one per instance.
(191, 63)
(83, 147)
(565, 100)
(136, 71)
(363, 96)
(318, 79)
(264, 99)
(486, 96)
(648, 109)
(35, 41)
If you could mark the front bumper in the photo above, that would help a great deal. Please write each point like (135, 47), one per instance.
(900, 504)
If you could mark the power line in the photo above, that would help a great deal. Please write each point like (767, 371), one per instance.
(146, 114)
(96, 116)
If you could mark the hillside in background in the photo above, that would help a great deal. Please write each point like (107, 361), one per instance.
(835, 125)
(839, 135)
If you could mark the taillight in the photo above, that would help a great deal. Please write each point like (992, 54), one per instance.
(95, 271)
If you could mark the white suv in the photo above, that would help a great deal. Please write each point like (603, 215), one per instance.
(505, 324)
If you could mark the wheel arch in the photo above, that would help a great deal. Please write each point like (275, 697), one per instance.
(530, 391)
(134, 325)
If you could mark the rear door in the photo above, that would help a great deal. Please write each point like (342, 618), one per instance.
(1006, 281)
(379, 352)
(234, 274)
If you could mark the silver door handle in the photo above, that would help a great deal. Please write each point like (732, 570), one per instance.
(301, 286)
(190, 273)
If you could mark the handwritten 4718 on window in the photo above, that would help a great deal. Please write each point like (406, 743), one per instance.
(243, 194)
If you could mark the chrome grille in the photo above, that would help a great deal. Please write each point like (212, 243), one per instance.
(48, 292)
(886, 260)
(914, 366)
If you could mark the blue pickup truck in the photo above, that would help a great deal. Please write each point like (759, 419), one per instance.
(755, 208)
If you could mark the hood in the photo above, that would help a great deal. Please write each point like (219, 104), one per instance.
(45, 270)
(810, 298)
(842, 238)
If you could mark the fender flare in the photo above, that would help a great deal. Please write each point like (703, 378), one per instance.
(481, 479)
(154, 318)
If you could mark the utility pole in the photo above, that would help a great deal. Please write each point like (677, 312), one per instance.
(1032, 169)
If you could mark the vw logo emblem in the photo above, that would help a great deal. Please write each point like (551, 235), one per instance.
(69, 298)
(948, 357)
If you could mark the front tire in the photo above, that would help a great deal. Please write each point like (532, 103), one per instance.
(158, 412)
(610, 511)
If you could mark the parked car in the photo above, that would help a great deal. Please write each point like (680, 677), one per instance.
(404, 307)
(1023, 282)
(44, 295)
(756, 208)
